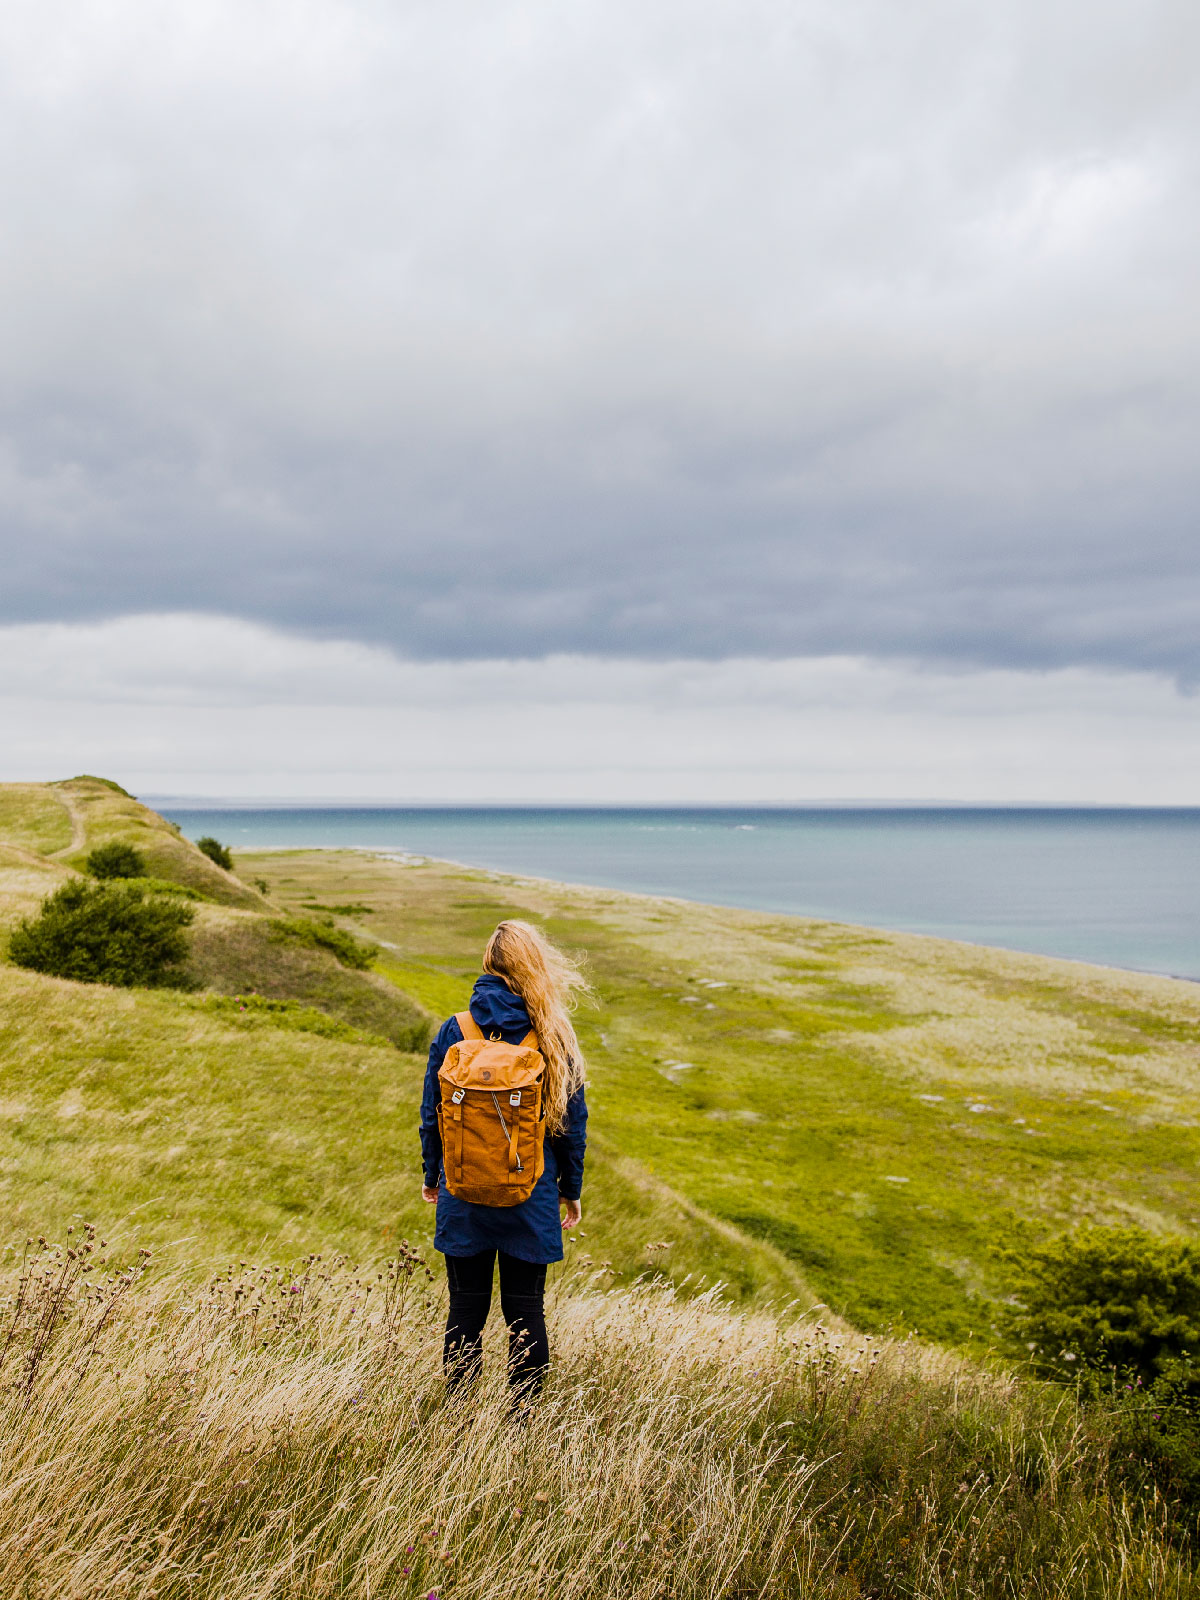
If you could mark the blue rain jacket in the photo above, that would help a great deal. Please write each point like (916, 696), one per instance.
(531, 1231)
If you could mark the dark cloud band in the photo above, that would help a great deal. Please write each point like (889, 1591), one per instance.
(698, 330)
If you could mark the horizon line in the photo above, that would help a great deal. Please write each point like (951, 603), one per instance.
(835, 802)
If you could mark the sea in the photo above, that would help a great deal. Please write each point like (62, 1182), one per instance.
(1119, 887)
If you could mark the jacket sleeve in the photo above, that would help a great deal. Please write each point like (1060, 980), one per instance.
(431, 1140)
(569, 1146)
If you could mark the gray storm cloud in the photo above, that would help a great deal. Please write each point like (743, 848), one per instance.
(696, 329)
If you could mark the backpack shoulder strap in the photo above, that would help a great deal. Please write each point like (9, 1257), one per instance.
(530, 1041)
(470, 1028)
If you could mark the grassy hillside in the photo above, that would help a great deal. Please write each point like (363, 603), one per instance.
(257, 1412)
(234, 952)
(800, 1108)
(34, 816)
(239, 941)
(883, 1109)
(181, 1118)
(99, 811)
(285, 1118)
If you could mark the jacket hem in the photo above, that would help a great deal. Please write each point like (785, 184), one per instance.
(539, 1260)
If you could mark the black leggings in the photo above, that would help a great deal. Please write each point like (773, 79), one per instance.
(522, 1285)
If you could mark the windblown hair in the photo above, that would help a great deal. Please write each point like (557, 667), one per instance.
(551, 985)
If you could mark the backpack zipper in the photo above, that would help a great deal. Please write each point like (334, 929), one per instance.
(504, 1125)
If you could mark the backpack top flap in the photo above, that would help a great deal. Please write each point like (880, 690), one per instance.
(479, 1063)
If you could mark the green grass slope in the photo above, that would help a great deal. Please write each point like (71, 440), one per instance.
(34, 816)
(100, 812)
(781, 1103)
(26, 878)
(47, 830)
(234, 952)
(882, 1109)
(281, 1119)
(182, 1119)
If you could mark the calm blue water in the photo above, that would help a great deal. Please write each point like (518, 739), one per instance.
(1119, 887)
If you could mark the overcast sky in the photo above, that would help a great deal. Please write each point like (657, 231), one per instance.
(811, 379)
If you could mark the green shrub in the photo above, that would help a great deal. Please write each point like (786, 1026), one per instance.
(216, 851)
(116, 860)
(105, 933)
(1116, 1311)
(1108, 1297)
(324, 934)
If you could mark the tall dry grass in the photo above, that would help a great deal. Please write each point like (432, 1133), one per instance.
(283, 1431)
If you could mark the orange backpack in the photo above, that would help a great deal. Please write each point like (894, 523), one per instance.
(490, 1117)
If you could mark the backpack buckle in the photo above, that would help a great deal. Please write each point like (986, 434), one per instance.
(458, 1096)
(514, 1098)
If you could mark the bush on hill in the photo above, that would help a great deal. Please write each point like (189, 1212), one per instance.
(216, 852)
(324, 934)
(105, 933)
(1109, 1297)
(1117, 1310)
(116, 860)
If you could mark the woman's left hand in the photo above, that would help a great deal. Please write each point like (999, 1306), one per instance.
(429, 1195)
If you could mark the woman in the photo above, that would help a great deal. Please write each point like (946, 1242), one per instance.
(526, 985)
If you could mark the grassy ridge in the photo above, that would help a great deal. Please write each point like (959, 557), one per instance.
(881, 1109)
(100, 812)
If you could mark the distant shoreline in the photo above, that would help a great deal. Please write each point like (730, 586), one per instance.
(725, 808)
(1114, 888)
(535, 880)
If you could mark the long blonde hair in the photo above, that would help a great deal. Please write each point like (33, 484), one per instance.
(551, 985)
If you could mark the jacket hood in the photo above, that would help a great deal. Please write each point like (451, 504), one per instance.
(494, 1005)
